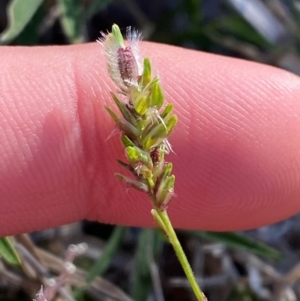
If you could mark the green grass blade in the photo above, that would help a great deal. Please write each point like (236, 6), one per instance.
(8, 252)
(240, 29)
(112, 246)
(71, 19)
(19, 13)
(96, 6)
(141, 275)
(30, 34)
(239, 241)
(150, 244)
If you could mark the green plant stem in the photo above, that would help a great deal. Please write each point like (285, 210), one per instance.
(162, 218)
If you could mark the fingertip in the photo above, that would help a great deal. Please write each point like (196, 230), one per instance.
(236, 142)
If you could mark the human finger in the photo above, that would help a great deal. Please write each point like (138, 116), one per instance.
(236, 143)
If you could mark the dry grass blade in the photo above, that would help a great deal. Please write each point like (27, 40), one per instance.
(99, 285)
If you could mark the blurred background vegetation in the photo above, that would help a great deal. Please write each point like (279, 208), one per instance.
(137, 264)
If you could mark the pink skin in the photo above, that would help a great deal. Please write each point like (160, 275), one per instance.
(237, 144)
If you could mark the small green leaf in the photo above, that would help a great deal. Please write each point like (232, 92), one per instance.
(156, 98)
(127, 114)
(171, 123)
(146, 77)
(140, 99)
(150, 143)
(149, 86)
(141, 105)
(124, 125)
(159, 168)
(126, 141)
(8, 252)
(117, 35)
(133, 183)
(136, 155)
(168, 109)
(125, 165)
(164, 192)
(240, 242)
(159, 131)
(167, 171)
(113, 115)
(19, 13)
